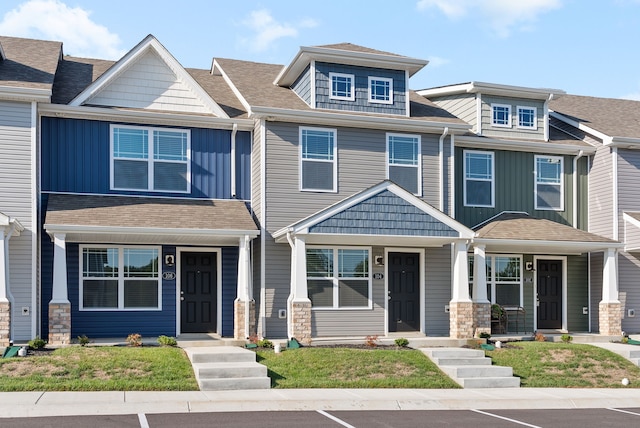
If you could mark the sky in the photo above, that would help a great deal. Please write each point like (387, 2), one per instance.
(584, 47)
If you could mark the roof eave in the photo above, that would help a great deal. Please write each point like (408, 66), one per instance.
(493, 89)
(526, 146)
(53, 229)
(15, 93)
(532, 246)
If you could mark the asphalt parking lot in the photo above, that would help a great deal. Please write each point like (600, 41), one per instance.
(565, 418)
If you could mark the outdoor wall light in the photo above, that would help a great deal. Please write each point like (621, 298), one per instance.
(169, 259)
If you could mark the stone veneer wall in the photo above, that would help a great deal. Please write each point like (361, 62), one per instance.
(461, 320)
(481, 318)
(5, 323)
(610, 319)
(238, 319)
(59, 323)
(301, 321)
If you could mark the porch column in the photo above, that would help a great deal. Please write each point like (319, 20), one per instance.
(244, 305)
(460, 306)
(299, 319)
(481, 304)
(5, 304)
(610, 309)
(59, 306)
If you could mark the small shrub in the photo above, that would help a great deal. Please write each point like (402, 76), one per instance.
(167, 341)
(83, 340)
(253, 339)
(402, 342)
(371, 341)
(134, 339)
(37, 343)
(539, 337)
(484, 335)
(265, 343)
(625, 339)
(566, 338)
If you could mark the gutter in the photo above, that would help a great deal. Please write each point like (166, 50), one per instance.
(441, 166)
(233, 160)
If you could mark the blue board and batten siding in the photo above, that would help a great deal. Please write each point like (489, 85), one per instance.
(361, 77)
(76, 158)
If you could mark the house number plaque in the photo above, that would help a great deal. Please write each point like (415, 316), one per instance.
(378, 275)
(169, 276)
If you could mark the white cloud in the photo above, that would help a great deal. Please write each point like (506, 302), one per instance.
(633, 96)
(501, 15)
(267, 30)
(436, 61)
(54, 20)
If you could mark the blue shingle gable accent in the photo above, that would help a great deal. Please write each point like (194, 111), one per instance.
(384, 214)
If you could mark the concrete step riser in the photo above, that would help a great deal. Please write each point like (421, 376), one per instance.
(230, 372)
(478, 371)
(446, 353)
(197, 358)
(501, 382)
(463, 361)
(234, 384)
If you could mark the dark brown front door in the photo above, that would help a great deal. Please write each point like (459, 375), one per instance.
(549, 274)
(198, 294)
(404, 292)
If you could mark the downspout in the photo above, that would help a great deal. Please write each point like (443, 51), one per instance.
(233, 160)
(290, 298)
(575, 188)
(441, 166)
(452, 168)
(546, 116)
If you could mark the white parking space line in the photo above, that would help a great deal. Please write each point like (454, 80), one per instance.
(623, 411)
(333, 418)
(143, 420)
(515, 421)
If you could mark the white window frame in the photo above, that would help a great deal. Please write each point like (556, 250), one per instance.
(336, 279)
(351, 96)
(501, 125)
(150, 158)
(373, 79)
(492, 180)
(334, 161)
(560, 160)
(419, 153)
(491, 279)
(120, 278)
(534, 126)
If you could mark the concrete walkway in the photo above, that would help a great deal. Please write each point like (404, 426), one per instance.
(31, 404)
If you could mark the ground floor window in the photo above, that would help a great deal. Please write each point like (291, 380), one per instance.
(504, 278)
(339, 277)
(119, 278)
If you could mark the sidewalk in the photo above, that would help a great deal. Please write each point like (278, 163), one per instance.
(31, 404)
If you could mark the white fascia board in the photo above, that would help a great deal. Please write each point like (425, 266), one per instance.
(626, 217)
(543, 246)
(522, 146)
(493, 89)
(12, 93)
(8, 224)
(143, 117)
(216, 66)
(625, 142)
(306, 54)
(110, 230)
(403, 241)
(399, 124)
(606, 139)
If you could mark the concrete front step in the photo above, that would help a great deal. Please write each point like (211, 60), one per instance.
(227, 368)
(630, 352)
(471, 369)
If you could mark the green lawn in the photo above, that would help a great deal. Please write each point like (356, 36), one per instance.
(565, 365)
(100, 369)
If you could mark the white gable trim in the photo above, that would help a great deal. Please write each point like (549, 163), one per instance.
(150, 42)
(216, 66)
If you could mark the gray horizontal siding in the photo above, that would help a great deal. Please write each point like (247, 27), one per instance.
(601, 193)
(628, 179)
(462, 106)
(302, 86)
(628, 268)
(278, 285)
(513, 132)
(437, 290)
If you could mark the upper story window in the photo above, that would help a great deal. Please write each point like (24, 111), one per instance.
(403, 161)
(549, 188)
(501, 115)
(339, 278)
(318, 171)
(342, 86)
(380, 90)
(479, 181)
(150, 159)
(527, 117)
(120, 278)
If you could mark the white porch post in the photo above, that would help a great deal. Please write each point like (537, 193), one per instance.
(242, 303)
(299, 317)
(300, 293)
(610, 309)
(4, 280)
(479, 275)
(59, 306)
(461, 320)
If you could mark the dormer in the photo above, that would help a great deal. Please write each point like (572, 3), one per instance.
(351, 77)
(498, 111)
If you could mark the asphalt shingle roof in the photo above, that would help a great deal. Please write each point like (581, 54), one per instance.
(29, 63)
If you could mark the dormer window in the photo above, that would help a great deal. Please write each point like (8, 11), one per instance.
(527, 118)
(380, 90)
(342, 86)
(501, 115)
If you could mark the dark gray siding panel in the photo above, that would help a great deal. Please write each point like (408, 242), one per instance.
(628, 270)
(437, 290)
(302, 86)
(229, 288)
(597, 263)
(577, 293)
(361, 76)
(278, 286)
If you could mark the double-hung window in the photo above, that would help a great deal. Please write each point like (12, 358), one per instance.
(549, 194)
(342, 86)
(527, 118)
(478, 179)
(403, 161)
(150, 159)
(339, 278)
(120, 278)
(504, 279)
(318, 171)
(380, 90)
(501, 115)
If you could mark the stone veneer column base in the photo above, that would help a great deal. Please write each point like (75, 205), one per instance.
(5, 323)
(610, 319)
(301, 321)
(461, 320)
(238, 319)
(59, 323)
(481, 318)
